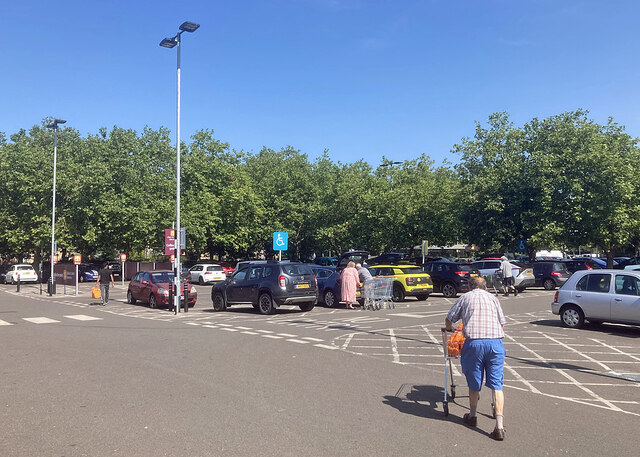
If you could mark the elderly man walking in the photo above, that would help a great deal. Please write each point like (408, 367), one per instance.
(483, 350)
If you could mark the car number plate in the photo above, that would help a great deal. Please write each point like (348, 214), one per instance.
(473, 274)
(302, 286)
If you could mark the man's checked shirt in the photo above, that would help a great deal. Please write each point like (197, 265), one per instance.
(481, 315)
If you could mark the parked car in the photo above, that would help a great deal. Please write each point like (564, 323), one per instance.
(322, 274)
(601, 263)
(388, 258)
(152, 287)
(627, 264)
(267, 285)
(450, 278)
(206, 273)
(3, 272)
(550, 274)
(599, 296)
(24, 270)
(87, 273)
(332, 294)
(574, 265)
(326, 261)
(523, 275)
(408, 280)
(116, 268)
(228, 267)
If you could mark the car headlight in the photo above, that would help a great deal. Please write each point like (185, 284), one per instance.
(163, 291)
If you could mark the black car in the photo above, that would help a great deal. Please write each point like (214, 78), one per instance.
(449, 278)
(267, 285)
(550, 273)
(574, 265)
(626, 263)
(388, 258)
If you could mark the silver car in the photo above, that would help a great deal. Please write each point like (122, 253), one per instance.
(522, 274)
(599, 296)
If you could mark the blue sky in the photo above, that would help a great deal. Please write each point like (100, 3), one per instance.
(363, 79)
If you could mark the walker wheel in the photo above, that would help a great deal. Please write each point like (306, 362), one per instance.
(446, 408)
(453, 393)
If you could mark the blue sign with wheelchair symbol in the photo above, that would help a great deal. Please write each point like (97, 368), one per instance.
(522, 246)
(280, 241)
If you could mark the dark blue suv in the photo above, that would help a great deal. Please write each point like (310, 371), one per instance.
(267, 285)
(450, 278)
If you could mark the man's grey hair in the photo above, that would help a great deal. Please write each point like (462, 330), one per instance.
(358, 266)
(477, 282)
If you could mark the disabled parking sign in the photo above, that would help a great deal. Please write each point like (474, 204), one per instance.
(280, 241)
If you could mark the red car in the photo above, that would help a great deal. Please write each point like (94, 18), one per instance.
(153, 287)
(228, 267)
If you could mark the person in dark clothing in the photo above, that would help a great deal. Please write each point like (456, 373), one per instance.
(104, 276)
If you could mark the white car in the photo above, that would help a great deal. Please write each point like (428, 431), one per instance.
(522, 274)
(25, 271)
(204, 273)
(599, 296)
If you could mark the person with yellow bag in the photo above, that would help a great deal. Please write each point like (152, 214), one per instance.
(483, 350)
(104, 275)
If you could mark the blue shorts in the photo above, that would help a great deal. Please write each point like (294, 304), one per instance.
(483, 356)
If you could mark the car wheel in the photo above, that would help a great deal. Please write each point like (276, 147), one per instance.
(218, 302)
(307, 306)
(398, 293)
(265, 304)
(422, 297)
(80, 278)
(152, 301)
(130, 299)
(330, 299)
(549, 284)
(572, 317)
(201, 281)
(449, 290)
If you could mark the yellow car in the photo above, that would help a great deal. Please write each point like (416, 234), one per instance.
(407, 280)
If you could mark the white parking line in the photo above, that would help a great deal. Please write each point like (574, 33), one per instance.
(293, 340)
(5, 323)
(82, 317)
(40, 320)
(275, 337)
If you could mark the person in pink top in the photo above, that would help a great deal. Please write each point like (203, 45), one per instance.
(349, 282)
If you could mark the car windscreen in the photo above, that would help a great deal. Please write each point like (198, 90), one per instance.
(557, 266)
(296, 270)
(215, 268)
(412, 270)
(157, 278)
(25, 267)
(468, 268)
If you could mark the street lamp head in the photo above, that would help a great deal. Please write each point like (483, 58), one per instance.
(168, 42)
(54, 124)
(189, 26)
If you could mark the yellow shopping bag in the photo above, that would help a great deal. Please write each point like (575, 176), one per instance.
(95, 292)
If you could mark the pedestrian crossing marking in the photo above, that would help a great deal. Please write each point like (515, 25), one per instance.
(82, 317)
(40, 320)
(5, 323)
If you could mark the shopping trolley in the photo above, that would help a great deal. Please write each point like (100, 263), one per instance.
(494, 282)
(452, 341)
(378, 293)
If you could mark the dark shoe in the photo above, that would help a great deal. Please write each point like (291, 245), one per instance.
(506, 294)
(497, 434)
(515, 292)
(471, 421)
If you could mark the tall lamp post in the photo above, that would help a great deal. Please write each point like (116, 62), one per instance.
(390, 164)
(54, 126)
(170, 43)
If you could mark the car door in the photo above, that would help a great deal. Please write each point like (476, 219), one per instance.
(625, 304)
(134, 286)
(145, 288)
(592, 294)
(236, 282)
(249, 290)
(195, 272)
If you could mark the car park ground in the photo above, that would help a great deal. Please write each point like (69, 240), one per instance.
(81, 379)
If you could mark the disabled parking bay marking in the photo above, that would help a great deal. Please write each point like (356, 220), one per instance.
(82, 317)
(40, 320)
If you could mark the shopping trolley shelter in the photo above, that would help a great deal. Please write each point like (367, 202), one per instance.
(372, 380)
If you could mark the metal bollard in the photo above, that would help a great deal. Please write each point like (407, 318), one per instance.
(18, 283)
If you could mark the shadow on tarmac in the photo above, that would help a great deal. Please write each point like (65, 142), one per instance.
(425, 401)
(627, 331)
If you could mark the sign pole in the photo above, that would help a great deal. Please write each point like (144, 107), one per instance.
(76, 280)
